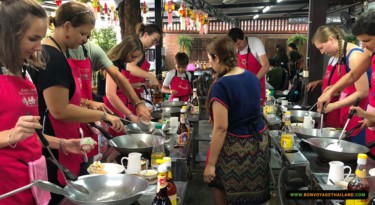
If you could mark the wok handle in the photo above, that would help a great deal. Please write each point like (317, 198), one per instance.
(347, 134)
(102, 130)
(66, 172)
(351, 113)
(17, 190)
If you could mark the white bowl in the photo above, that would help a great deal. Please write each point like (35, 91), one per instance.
(148, 174)
(371, 172)
(111, 168)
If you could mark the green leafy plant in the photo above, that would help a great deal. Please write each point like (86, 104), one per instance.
(104, 37)
(351, 38)
(298, 39)
(186, 43)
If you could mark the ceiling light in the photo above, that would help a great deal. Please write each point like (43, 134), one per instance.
(279, 1)
(266, 9)
(256, 16)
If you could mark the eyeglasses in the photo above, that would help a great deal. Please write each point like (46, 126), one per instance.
(155, 41)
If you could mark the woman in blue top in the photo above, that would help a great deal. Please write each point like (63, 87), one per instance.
(237, 163)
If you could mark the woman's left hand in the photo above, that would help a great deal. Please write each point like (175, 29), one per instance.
(209, 173)
(98, 106)
(359, 111)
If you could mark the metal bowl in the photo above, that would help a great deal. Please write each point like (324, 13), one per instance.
(306, 133)
(298, 115)
(296, 107)
(349, 152)
(134, 128)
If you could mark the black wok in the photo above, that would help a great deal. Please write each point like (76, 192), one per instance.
(126, 144)
(169, 111)
(349, 152)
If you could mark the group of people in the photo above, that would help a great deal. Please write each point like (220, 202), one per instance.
(47, 85)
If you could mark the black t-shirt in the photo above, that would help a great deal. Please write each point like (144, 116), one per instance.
(56, 73)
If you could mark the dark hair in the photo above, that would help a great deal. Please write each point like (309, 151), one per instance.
(76, 13)
(272, 62)
(224, 48)
(235, 34)
(127, 46)
(293, 46)
(365, 24)
(182, 59)
(141, 29)
(16, 16)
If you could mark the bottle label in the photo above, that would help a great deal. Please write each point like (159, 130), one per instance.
(162, 181)
(286, 141)
(173, 199)
(194, 110)
(183, 138)
(360, 174)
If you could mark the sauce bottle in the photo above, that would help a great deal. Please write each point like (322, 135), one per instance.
(171, 187)
(161, 197)
(182, 130)
(359, 182)
(194, 108)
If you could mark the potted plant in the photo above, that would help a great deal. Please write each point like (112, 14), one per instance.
(186, 43)
(298, 39)
(104, 37)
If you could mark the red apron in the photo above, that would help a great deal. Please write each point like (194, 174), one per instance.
(85, 73)
(21, 98)
(69, 130)
(344, 111)
(331, 77)
(249, 62)
(133, 79)
(370, 132)
(123, 98)
(181, 86)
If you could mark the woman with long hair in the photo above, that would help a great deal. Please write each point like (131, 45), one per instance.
(129, 50)
(330, 40)
(238, 130)
(149, 35)
(23, 25)
(59, 85)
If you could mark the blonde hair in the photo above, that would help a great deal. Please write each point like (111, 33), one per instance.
(323, 33)
(127, 46)
(16, 16)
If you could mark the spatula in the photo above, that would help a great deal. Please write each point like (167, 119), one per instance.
(336, 145)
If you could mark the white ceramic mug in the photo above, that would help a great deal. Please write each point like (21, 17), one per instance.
(336, 172)
(174, 125)
(285, 102)
(134, 163)
(308, 122)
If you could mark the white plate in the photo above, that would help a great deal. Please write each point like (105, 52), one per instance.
(371, 172)
(112, 168)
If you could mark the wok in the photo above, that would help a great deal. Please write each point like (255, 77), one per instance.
(126, 144)
(173, 104)
(297, 107)
(168, 111)
(111, 189)
(306, 133)
(349, 152)
(134, 128)
(298, 115)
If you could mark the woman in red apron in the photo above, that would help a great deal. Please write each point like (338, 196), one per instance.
(178, 82)
(329, 40)
(248, 61)
(150, 36)
(128, 51)
(60, 84)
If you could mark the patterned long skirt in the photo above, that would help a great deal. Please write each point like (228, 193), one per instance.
(242, 169)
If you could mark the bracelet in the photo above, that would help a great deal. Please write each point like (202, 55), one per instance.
(87, 103)
(62, 147)
(104, 117)
(9, 140)
(84, 103)
(138, 103)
